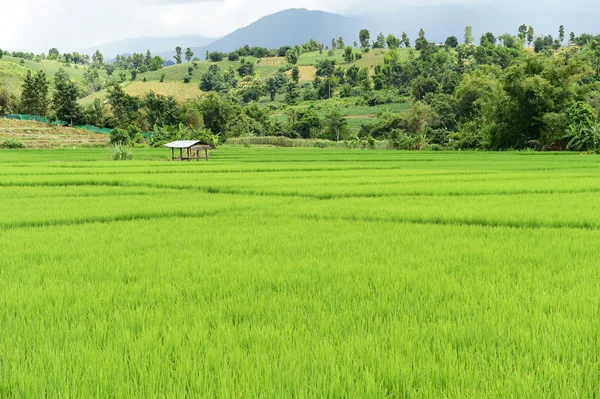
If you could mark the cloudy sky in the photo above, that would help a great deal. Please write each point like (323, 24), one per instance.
(37, 25)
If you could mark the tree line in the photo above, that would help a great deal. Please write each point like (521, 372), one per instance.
(510, 91)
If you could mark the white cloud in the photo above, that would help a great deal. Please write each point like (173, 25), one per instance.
(74, 24)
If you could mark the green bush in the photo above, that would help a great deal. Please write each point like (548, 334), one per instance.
(121, 153)
(12, 144)
(119, 136)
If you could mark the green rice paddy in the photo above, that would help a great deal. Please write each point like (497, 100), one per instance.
(299, 273)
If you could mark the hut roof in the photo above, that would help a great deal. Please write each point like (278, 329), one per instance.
(183, 143)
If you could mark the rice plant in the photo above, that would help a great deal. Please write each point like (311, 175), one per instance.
(299, 272)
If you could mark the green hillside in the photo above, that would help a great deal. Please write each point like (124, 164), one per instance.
(13, 70)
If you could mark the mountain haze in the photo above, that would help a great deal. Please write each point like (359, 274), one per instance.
(296, 26)
(293, 26)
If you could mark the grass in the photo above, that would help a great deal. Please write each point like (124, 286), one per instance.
(177, 72)
(299, 272)
(12, 73)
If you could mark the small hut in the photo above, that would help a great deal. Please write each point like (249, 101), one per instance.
(188, 150)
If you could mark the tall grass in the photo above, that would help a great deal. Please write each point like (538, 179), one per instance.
(121, 152)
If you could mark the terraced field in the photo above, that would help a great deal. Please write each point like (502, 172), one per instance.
(299, 272)
(34, 134)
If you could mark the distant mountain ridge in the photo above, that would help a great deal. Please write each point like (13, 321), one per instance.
(296, 26)
(292, 26)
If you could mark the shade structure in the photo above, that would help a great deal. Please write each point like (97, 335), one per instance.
(182, 143)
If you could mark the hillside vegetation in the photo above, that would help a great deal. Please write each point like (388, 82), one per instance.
(509, 92)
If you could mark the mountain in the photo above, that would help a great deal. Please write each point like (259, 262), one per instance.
(296, 26)
(439, 22)
(293, 26)
(141, 44)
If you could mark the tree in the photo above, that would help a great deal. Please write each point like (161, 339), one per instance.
(365, 38)
(217, 112)
(215, 80)
(348, 54)
(251, 89)
(189, 54)
(291, 93)
(125, 108)
(422, 86)
(28, 95)
(572, 38)
(34, 98)
(392, 42)
(272, 87)
(452, 42)
(421, 43)
(42, 85)
(177, 54)
(380, 42)
(53, 54)
(307, 123)
(333, 44)
(148, 59)
(340, 43)
(530, 35)
(488, 39)
(161, 110)
(109, 68)
(335, 124)
(97, 58)
(292, 57)
(157, 63)
(64, 99)
(246, 69)
(561, 34)
(405, 40)
(468, 38)
(296, 74)
(92, 78)
(94, 113)
(216, 56)
(325, 68)
(522, 32)
(281, 52)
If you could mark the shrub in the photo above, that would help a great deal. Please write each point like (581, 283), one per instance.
(12, 144)
(371, 141)
(119, 136)
(121, 153)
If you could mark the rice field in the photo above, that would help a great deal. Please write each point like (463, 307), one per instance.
(299, 273)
